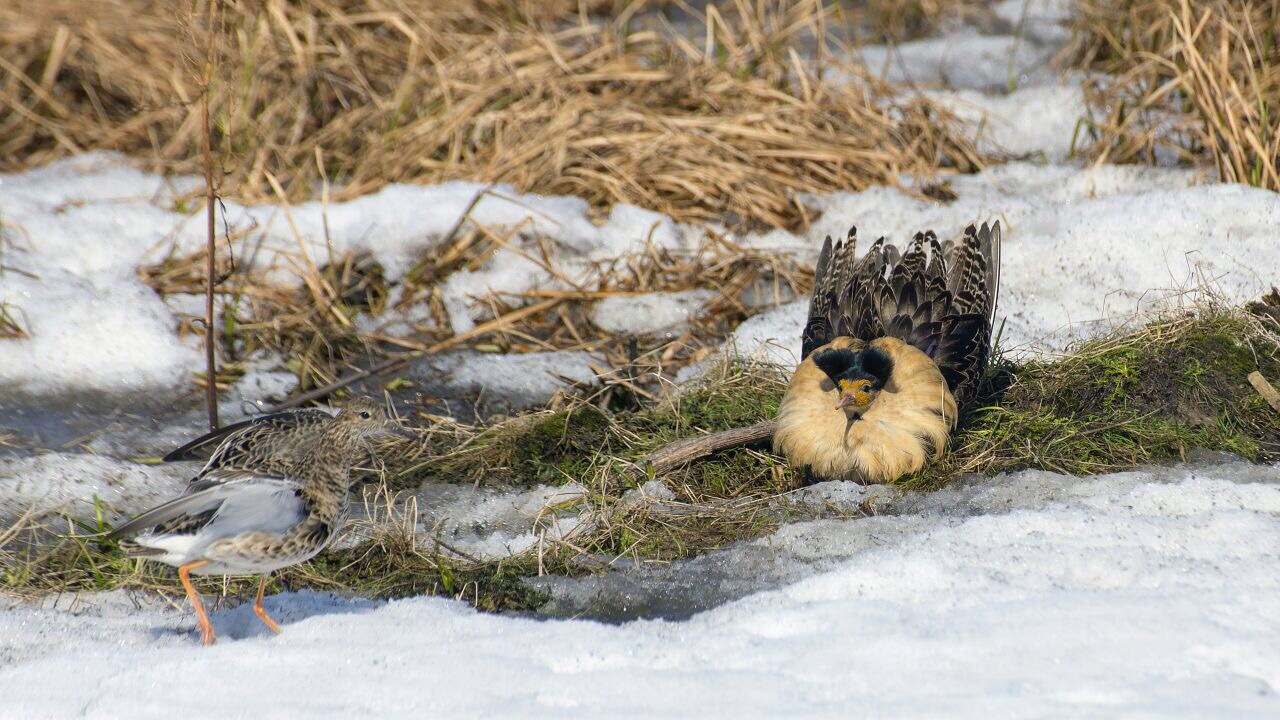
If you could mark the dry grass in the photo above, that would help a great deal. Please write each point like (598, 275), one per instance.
(313, 325)
(723, 115)
(733, 124)
(1194, 79)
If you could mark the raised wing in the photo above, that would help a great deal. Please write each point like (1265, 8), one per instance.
(940, 297)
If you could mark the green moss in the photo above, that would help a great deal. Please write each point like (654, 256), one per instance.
(1122, 401)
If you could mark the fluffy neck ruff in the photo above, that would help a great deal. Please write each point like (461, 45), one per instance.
(906, 425)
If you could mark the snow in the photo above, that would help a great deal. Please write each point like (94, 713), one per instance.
(1040, 120)
(501, 381)
(1044, 21)
(1084, 250)
(1070, 259)
(1142, 594)
(962, 60)
(1150, 593)
(650, 313)
(78, 231)
(71, 482)
(495, 523)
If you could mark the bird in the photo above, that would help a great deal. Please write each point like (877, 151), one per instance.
(274, 492)
(894, 347)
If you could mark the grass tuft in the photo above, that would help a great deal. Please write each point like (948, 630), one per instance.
(1194, 79)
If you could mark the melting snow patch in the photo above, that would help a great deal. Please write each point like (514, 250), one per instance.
(963, 61)
(1039, 120)
(651, 313)
(496, 523)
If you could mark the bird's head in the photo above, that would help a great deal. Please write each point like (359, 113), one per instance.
(366, 419)
(859, 375)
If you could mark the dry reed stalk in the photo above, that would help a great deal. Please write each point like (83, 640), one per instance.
(1194, 78)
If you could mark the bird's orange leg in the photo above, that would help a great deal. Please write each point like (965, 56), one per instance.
(206, 629)
(260, 611)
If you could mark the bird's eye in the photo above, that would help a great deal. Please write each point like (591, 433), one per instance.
(866, 387)
(364, 415)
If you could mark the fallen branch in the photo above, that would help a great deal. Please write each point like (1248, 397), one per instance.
(671, 456)
(1265, 389)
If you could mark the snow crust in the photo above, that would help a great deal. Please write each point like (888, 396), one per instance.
(1141, 594)
(651, 313)
(504, 382)
(496, 523)
(1085, 249)
(69, 483)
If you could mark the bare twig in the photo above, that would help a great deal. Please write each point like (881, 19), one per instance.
(210, 211)
(669, 457)
(1265, 389)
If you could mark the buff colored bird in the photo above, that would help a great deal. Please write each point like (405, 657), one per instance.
(275, 492)
(894, 346)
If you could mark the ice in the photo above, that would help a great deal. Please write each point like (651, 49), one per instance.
(650, 313)
(504, 382)
(802, 549)
(1144, 594)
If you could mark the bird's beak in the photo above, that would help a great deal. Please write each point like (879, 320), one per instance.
(846, 400)
(393, 429)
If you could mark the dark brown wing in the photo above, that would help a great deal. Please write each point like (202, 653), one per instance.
(974, 282)
(830, 280)
(940, 297)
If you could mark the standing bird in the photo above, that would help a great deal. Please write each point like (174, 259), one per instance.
(275, 492)
(894, 346)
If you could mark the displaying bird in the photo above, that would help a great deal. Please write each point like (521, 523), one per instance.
(275, 492)
(894, 346)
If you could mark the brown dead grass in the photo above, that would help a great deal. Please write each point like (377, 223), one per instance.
(313, 324)
(1194, 78)
(731, 124)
